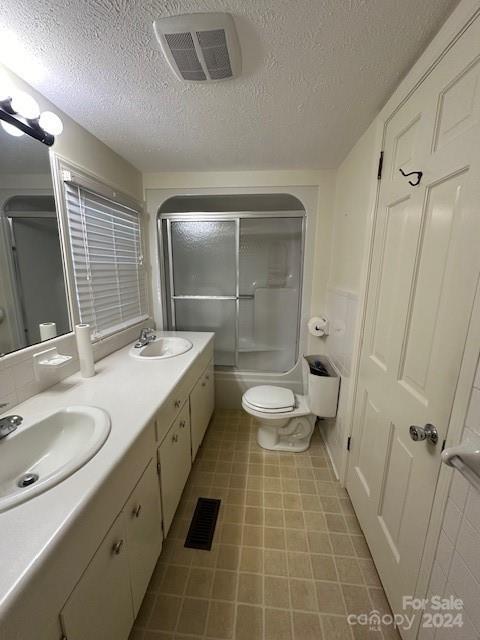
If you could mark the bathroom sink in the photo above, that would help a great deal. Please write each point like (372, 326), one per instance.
(161, 348)
(36, 458)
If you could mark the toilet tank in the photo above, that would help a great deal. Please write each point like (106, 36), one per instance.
(323, 386)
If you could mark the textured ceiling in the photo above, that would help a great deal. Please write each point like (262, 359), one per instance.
(315, 73)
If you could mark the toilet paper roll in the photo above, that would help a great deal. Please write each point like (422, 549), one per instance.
(47, 330)
(85, 350)
(318, 326)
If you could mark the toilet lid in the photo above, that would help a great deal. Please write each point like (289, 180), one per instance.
(266, 397)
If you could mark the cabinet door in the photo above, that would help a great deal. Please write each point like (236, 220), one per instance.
(174, 456)
(100, 606)
(202, 400)
(144, 532)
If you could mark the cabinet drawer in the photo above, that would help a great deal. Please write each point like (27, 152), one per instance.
(100, 606)
(202, 400)
(171, 408)
(144, 532)
(174, 457)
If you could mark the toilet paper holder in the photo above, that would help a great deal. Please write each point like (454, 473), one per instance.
(318, 326)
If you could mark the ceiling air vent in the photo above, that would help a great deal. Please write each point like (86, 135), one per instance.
(200, 47)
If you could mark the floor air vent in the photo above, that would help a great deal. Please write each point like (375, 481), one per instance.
(200, 47)
(202, 527)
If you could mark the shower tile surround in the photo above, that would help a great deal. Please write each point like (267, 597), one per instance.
(456, 569)
(342, 312)
(288, 559)
(17, 377)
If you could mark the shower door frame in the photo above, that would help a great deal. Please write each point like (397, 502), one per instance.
(227, 216)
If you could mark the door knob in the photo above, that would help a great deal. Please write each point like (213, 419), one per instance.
(428, 432)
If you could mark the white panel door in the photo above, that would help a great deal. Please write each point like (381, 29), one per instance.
(425, 268)
(144, 532)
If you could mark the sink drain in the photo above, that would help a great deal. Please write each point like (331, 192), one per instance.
(27, 480)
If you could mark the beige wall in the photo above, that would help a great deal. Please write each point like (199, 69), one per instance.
(353, 203)
(355, 188)
(288, 181)
(85, 150)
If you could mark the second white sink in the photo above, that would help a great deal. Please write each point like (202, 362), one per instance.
(37, 457)
(161, 348)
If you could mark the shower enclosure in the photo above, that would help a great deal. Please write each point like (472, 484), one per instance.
(238, 274)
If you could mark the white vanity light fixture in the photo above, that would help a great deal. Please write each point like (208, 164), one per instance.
(11, 130)
(50, 123)
(20, 113)
(25, 105)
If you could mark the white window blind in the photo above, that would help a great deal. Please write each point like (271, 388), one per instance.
(108, 269)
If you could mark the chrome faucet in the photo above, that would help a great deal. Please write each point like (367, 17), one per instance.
(146, 336)
(9, 424)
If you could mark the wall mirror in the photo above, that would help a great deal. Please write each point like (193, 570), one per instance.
(33, 300)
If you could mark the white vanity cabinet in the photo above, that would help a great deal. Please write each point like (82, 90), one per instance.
(106, 599)
(100, 606)
(175, 461)
(202, 400)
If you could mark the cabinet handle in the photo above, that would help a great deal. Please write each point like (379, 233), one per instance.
(178, 404)
(207, 377)
(182, 424)
(204, 384)
(137, 510)
(175, 438)
(117, 547)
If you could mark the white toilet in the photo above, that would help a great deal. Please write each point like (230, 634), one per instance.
(287, 420)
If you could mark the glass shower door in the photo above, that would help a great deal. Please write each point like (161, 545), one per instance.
(270, 272)
(203, 281)
(241, 278)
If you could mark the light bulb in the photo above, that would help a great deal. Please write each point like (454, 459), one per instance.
(10, 129)
(51, 123)
(25, 105)
(5, 87)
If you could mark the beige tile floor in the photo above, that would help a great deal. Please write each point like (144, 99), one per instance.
(288, 562)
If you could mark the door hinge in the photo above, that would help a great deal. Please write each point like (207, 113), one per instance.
(158, 468)
(349, 440)
(443, 445)
(380, 166)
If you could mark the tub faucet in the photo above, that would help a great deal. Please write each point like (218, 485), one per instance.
(9, 424)
(146, 336)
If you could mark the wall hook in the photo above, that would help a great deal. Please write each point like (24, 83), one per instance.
(419, 175)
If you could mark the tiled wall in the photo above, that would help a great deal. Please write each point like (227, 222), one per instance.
(342, 312)
(457, 563)
(17, 376)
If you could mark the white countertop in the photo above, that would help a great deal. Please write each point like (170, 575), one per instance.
(131, 391)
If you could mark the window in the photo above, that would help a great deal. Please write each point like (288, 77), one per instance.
(107, 260)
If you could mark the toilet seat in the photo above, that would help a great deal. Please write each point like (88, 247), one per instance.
(272, 411)
(268, 399)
